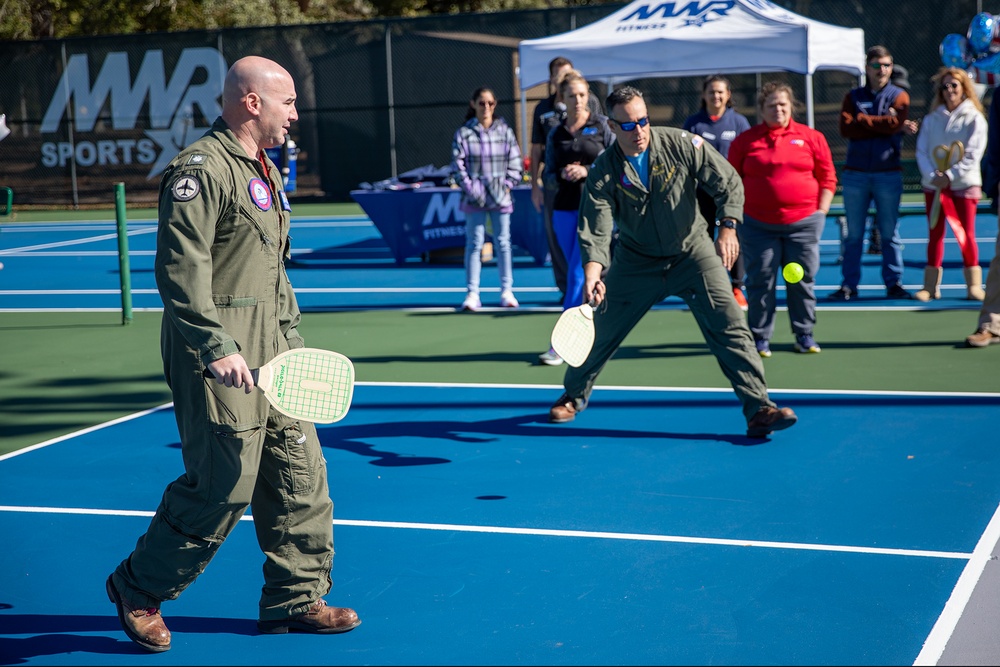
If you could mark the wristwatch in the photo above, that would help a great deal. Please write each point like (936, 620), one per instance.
(726, 222)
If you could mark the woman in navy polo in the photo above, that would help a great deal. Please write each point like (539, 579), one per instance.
(718, 124)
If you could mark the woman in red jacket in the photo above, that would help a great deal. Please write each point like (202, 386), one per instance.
(789, 181)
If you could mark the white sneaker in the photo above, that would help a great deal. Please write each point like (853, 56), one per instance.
(550, 358)
(507, 300)
(471, 303)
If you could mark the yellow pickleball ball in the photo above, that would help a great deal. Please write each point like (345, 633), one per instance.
(793, 272)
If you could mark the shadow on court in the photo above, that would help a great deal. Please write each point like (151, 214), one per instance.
(46, 642)
(353, 437)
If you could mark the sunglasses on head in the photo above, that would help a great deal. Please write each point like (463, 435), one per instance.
(628, 126)
(949, 86)
(880, 65)
(486, 103)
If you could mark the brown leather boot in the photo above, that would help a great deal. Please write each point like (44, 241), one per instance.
(770, 419)
(974, 280)
(564, 410)
(932, 284)
(982, 338)
(320, 619)
(143, 626)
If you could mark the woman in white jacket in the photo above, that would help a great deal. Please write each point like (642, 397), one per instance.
(953, 171)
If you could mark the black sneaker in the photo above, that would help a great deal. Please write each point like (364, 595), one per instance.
(845, 293)
(897, 292)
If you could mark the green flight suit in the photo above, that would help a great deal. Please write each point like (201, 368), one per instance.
(221, 246)
(663, 251)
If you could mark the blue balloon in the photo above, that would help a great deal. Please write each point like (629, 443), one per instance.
(955, 51)
(990, 63)
(982, 30)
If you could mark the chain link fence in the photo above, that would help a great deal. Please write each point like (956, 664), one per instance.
(376, 98)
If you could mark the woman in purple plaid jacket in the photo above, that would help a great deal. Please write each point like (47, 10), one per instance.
(487, 164)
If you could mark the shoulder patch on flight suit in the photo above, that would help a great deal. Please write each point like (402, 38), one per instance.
(697, 141)
(285, 206)
(260, 193)
(186, 188)
(197, 158)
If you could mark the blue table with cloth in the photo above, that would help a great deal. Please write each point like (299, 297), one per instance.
(418, 220)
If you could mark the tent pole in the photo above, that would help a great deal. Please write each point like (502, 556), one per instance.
(525, 146)
(809, 101)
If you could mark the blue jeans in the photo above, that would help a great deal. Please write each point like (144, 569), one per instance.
(475, 237)
(766, 249)
(886, 188)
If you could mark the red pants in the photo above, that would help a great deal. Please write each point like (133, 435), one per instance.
(959, 213)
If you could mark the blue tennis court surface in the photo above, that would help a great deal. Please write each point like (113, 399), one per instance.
(470, 531)
(341, 262)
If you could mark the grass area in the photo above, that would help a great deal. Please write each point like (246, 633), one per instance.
(84, 369)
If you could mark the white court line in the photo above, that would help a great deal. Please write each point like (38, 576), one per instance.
(546, 532)
(158, 309)
(73, 292)
(74, 242)
(695, 390)
(89, 429)
(37, 228)
(409, 290)
(63, 226)
(937, 640)
(75, 253)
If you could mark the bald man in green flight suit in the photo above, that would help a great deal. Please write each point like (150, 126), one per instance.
(228, 307)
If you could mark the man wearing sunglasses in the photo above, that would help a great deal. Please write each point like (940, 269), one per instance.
(872, 119)
(646, 182)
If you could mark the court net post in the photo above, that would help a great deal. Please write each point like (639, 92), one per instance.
(6, 201)
(123, 265)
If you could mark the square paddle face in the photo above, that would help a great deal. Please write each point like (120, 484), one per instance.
(309, 384)
(573, 335)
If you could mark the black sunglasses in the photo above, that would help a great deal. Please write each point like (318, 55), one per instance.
(628, 126)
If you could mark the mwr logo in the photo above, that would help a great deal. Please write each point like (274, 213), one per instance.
(670, 14)
(443, 216)
(171, 107)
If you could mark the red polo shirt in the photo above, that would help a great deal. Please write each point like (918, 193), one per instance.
(783, 171)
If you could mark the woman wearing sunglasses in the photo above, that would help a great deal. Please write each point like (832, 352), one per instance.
(486, 161)
(950, 145)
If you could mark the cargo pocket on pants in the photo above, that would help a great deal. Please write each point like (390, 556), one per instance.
(302, 462)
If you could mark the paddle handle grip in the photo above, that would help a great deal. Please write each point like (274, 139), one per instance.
(255, 372)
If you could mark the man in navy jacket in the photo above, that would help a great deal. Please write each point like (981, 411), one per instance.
(872, 119)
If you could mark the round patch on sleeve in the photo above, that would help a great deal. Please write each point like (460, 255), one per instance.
(186, 188)
(260, 193)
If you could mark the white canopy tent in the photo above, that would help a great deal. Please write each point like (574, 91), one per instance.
(651, 39)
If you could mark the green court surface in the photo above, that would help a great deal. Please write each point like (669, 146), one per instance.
(67, 371)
